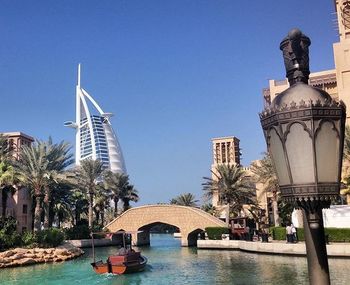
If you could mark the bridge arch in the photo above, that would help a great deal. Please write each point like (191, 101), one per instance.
(189, 220)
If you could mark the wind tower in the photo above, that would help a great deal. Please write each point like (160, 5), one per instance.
(94, 137)
(225, 151)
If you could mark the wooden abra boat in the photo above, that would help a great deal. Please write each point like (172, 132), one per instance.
(126, 260)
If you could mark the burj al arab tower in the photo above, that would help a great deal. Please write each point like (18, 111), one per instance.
(95, 138)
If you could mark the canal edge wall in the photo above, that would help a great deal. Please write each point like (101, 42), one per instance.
(280, 248)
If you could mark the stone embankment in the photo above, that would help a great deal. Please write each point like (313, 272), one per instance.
(274, 247)
(23, 256)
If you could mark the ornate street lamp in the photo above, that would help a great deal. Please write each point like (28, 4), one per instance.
(304, 132)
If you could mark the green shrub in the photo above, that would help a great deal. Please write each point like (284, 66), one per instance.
(300, 234)
(333, 234)
(8, 225)
(278, 233)
(9, 241)
(78, 232)
(29, 239)
(50, 238)
(338, 235)
(82, 231)
(8, 236)
(216, 232)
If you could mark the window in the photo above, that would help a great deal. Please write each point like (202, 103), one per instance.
(223, 152)
(217, 152)
(25, 209)
(229, 152)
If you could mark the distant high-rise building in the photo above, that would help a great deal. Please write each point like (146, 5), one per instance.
(95, 138)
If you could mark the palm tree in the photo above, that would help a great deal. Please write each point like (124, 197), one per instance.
(5, 149)
(8, 175)
(62, 212)
(41, 166)
(232, 185)
(59, 159)
(173, 201)
(187, 199)
(88, 177)
(60, 206)
(129, 194)
(265, 174)
(79, 204)
(8, 178)
(102, 200)
(117, 183)
(209, 208)
(33, 170)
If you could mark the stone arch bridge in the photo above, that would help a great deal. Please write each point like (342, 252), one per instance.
(189, 220)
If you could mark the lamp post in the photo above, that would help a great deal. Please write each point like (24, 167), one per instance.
(304, 132)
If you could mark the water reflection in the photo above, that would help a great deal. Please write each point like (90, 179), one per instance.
(168, 263)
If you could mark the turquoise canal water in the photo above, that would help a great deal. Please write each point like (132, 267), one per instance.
(169, 263)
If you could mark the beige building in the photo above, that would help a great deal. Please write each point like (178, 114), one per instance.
(19, 205)
(325, 80)
(226, 150)
(334, 81)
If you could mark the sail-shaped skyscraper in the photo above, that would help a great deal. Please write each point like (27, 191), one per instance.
(95, 138)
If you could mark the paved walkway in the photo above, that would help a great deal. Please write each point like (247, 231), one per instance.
(274, 247)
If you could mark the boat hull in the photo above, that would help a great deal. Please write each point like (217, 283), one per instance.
(120, 268)
(100, 267)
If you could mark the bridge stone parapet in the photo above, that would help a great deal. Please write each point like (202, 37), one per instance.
(189, 220)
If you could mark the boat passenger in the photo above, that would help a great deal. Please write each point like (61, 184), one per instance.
(122, 251)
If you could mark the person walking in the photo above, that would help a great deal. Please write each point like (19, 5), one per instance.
(289, 233)
(294, 233)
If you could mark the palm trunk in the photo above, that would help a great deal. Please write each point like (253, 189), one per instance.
(116, 200)
(102, 217)
(47, 199)
(276, 216)
(91, 214)
(4, 202)
(97, 216)
(227, 215)
(51, 214)
(126, 204)
(37, 213)
(77, 216)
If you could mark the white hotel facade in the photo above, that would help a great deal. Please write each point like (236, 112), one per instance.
(95, 138)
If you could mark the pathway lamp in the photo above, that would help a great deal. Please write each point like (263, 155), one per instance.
(304, 132)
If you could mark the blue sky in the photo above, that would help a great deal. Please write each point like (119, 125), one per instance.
(174, 73)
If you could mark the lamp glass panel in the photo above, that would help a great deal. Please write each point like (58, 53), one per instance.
(277, 155)
(327, 153)
(300, 155)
